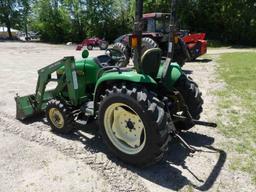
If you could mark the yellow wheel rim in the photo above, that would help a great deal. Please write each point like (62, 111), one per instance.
(56, 118)
(125, 128)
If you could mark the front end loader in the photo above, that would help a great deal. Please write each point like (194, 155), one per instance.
(139, 109)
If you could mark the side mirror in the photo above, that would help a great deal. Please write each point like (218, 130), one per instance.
(85, 53)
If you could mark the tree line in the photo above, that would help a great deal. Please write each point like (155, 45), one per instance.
(57, 21)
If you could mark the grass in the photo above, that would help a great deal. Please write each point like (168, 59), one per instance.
(216, 44)
(237, 108)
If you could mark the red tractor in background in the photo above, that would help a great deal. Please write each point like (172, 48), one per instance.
(156, 34)
(196, 43)
(93, 42)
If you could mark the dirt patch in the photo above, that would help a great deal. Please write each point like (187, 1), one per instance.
(44, 160)
(24, 168)
(222, 50)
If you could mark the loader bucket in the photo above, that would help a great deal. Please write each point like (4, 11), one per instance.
(24, 107)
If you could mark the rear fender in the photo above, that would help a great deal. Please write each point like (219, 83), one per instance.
(110, 78)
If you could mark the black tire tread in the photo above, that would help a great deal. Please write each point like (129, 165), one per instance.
(192, 97)
(66, 113)
(124, 49)
(147, 43)
(152, 108)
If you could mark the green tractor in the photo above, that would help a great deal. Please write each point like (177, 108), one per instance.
(139, 110)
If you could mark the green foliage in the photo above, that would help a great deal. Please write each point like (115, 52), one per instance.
(9, 14)
(107, 18)
(228, 21)
(52, 21)
(157, 6)
(25, 11)
(237, 108)
(74, 20)
(216, 44)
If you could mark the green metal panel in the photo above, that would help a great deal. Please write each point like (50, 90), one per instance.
(131, 76)
(86, 72)
(87, 68)
(174, 72)
(91, 70)
(71, 78)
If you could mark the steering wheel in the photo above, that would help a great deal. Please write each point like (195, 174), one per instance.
(116, 56)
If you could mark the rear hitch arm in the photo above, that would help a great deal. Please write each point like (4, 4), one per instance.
(204, 123)
(185, 144)
(197, 122)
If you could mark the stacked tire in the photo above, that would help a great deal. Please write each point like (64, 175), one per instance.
(146, 43)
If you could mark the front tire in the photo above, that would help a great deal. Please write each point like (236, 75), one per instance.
(133, 125)
(59, 117)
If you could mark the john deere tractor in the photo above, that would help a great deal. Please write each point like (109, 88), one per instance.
(139, 110)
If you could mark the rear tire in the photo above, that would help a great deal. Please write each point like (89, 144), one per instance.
(192, 98)
(181, 53)
(124, 49)
(59, 117)
(147, 43)
(135, 105)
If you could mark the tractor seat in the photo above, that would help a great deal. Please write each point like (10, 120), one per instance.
(150, 62)
(104, 61)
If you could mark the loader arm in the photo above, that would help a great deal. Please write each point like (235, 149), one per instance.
(33, 104)
(44, 77)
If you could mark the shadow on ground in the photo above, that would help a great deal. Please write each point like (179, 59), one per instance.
(165, 172)
(169, 177)
(200, 60)
(188, 72)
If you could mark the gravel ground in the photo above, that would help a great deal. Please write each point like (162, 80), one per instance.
(34, 159)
